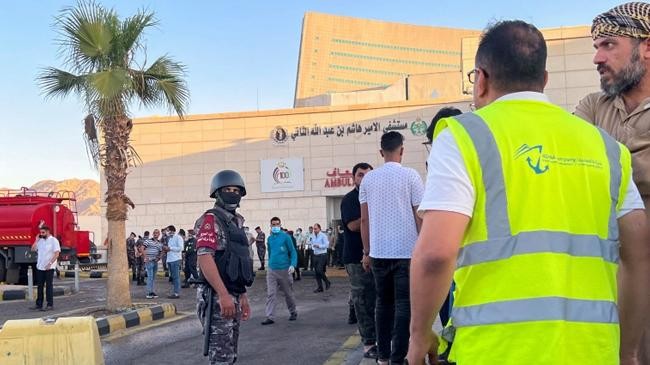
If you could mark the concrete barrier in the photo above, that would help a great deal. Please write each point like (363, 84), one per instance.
(86, 274)
(17, 292)
(67, 340)
(134, 318)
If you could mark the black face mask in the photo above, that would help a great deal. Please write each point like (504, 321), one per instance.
(230, 200)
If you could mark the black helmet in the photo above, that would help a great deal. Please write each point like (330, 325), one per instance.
(226, 178)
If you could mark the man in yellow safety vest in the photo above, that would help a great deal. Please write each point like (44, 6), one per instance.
(531, 209)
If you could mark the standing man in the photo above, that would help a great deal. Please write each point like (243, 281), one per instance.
(225, 264)
(282, 264)
(622, 42)
(139, 258)
(362, 283)
(309, 252)
(389, 198)
(164, 240)
(300, 240)
(251, 241)
(528, 216)
(175, 244)
(152, 253)
(320, 244)
(338, 248)
(190, 258)
(47, 248)
(130, 254)
(261, 246)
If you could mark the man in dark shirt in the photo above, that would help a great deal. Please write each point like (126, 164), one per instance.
(362, 283)
(260, 242)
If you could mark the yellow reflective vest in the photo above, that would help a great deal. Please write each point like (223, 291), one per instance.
(536, 272)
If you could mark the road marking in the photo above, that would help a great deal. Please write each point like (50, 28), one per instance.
(133, 330)
(339, 356)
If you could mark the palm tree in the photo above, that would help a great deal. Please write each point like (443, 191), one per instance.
(101, 52)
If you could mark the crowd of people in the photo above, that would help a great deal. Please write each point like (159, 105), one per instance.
(529, 236)
(176, 251)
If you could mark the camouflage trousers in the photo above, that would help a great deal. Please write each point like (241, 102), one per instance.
(224, 333)
(362, 291)
(139, 269)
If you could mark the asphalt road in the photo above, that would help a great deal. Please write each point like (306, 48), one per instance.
(318, 333)
(320, 330)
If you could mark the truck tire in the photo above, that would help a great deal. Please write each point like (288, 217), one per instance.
(3, 270)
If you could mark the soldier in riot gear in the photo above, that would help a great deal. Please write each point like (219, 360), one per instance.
(226, 269)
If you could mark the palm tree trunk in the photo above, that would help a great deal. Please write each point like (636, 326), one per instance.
(116, 142)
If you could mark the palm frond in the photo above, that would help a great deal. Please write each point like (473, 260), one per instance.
(110, 83)
(131, 32)
(91, 138)
(58, 83)
(85, 35)
(162, 83)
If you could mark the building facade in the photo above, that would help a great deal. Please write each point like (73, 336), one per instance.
(297, 162)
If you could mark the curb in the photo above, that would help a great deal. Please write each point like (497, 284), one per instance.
(22, 294)
(99, 274)
(110, 324)
(86, 274)
(339, 357)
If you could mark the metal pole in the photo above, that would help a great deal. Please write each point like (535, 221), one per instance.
(76, 277)
(30, 283)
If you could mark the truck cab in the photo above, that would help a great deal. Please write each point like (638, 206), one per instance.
(22, 213)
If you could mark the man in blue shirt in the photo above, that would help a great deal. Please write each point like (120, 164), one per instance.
(320, 243)
(283, 259)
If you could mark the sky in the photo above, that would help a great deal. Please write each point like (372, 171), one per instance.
(233, 50)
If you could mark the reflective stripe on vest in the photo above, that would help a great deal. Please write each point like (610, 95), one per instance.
(501, 244)
(537, 309)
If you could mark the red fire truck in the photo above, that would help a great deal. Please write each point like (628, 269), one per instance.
(22, 212)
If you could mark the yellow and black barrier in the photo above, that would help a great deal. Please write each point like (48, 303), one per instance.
(66, 340)
(23, 293)
(138, 317)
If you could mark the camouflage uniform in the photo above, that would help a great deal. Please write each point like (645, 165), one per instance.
(130, 254)
(139, 262)
(224, 333)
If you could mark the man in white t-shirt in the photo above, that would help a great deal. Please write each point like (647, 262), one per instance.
(48, 249)
(389, 197)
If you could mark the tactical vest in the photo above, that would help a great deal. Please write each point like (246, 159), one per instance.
(234, 263)
(536, 271)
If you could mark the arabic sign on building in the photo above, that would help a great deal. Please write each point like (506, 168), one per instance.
(338, 179)
(280, 135)
(282, 175)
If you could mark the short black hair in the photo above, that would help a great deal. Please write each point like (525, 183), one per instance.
(146, 233)
(391, 141)
(171, 228)
(181, 232)
(446, 112)
(513, 55)
(362, 166)
(275, 219)
(44, 227)
(258, 227)
(133, 234)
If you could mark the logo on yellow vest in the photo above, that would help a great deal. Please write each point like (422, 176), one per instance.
(533, 157)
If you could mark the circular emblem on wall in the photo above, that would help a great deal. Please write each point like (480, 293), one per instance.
(281, 173)
(419, 127)
(279, 135)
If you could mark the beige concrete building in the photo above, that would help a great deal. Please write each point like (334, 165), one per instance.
(339, 53)
(296, 162)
